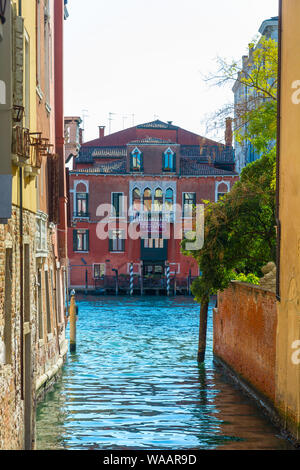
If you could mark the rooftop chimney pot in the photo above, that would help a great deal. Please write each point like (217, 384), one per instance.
(101, 132)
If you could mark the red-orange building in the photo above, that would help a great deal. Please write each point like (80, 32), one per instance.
(131, 198)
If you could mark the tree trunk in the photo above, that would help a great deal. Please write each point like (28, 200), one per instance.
(202, 329)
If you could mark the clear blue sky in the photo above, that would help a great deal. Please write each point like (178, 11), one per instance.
(148, 58)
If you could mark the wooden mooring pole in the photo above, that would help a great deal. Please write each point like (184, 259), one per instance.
(72, 322)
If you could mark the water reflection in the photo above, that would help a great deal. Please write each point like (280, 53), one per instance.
(134, 383)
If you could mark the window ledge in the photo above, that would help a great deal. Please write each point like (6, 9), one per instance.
(41, 253)
(80, 251)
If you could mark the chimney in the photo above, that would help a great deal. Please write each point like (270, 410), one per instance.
(80, 136)
(228, 132)
(101, 132)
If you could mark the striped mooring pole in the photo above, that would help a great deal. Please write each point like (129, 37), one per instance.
(72, 322)
(168, 279)
(131, 278)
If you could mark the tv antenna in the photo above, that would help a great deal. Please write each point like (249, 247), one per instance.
(84, 116)
(110, 118)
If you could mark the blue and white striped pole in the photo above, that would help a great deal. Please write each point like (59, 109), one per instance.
(131, 278)
(168, 279)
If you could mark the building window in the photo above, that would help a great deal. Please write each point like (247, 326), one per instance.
(48, 308)
(99, 270)
(158, 200)
(147, 200)
(40, 305)
(41, 234)
(153, 243)
(222, 188)
(136, 160)
(189, 201)
(136, 202)
(169, 159)
(169, 200)
(117, 200)
(82, 202)
(80, 240)
(116, 241)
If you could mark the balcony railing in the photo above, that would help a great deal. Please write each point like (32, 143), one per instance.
(39, 147)
(20, 144)
(153, 216)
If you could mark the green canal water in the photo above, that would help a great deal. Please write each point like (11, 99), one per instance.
(134, 383)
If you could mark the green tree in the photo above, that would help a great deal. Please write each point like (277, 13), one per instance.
(255, 111)
(239, 235)
(239, 230)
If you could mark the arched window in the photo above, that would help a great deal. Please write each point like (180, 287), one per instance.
(169, 199)
(136, 160)
(168, 160)
(136, 200)
(147, 200)
(158, 200)
(81, 201)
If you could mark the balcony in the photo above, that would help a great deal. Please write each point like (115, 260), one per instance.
(20, 145)
(39, 147)
(153, 216)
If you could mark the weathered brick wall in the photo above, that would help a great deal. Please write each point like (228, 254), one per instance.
(11, 405)
(44, 354)
(245, 325)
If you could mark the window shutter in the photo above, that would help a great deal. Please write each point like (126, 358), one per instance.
(163, 161)
(87, 203)
(131, 162)
(174, 162)
(110, 242)
(74, 240)
(142, 162)
(88, 240)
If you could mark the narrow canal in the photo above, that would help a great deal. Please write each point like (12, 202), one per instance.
(134, 383)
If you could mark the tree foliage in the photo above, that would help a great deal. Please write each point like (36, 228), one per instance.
(239, 231)
(255, 110)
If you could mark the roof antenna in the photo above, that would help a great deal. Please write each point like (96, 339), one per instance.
(110, 118)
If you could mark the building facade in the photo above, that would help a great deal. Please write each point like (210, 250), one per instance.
(245, 152)
(132, 195)
(288, 224)
(33, 280)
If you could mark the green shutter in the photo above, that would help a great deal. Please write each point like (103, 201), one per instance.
(142, 163)
(174, 162)
(87, 203)
(74, 240)
(88, 240)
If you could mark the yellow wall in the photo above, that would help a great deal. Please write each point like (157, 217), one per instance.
(288, 332)
(29, 185)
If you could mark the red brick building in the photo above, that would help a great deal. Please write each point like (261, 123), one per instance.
(131, 195)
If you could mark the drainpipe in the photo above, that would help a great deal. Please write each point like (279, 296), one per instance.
(278, 245)
(21, 268)
(21, 284)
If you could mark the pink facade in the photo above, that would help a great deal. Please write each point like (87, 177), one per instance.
(139, 190)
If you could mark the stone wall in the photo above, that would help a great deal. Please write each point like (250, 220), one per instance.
(42, 358)
(245, 325)
(12, 404)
